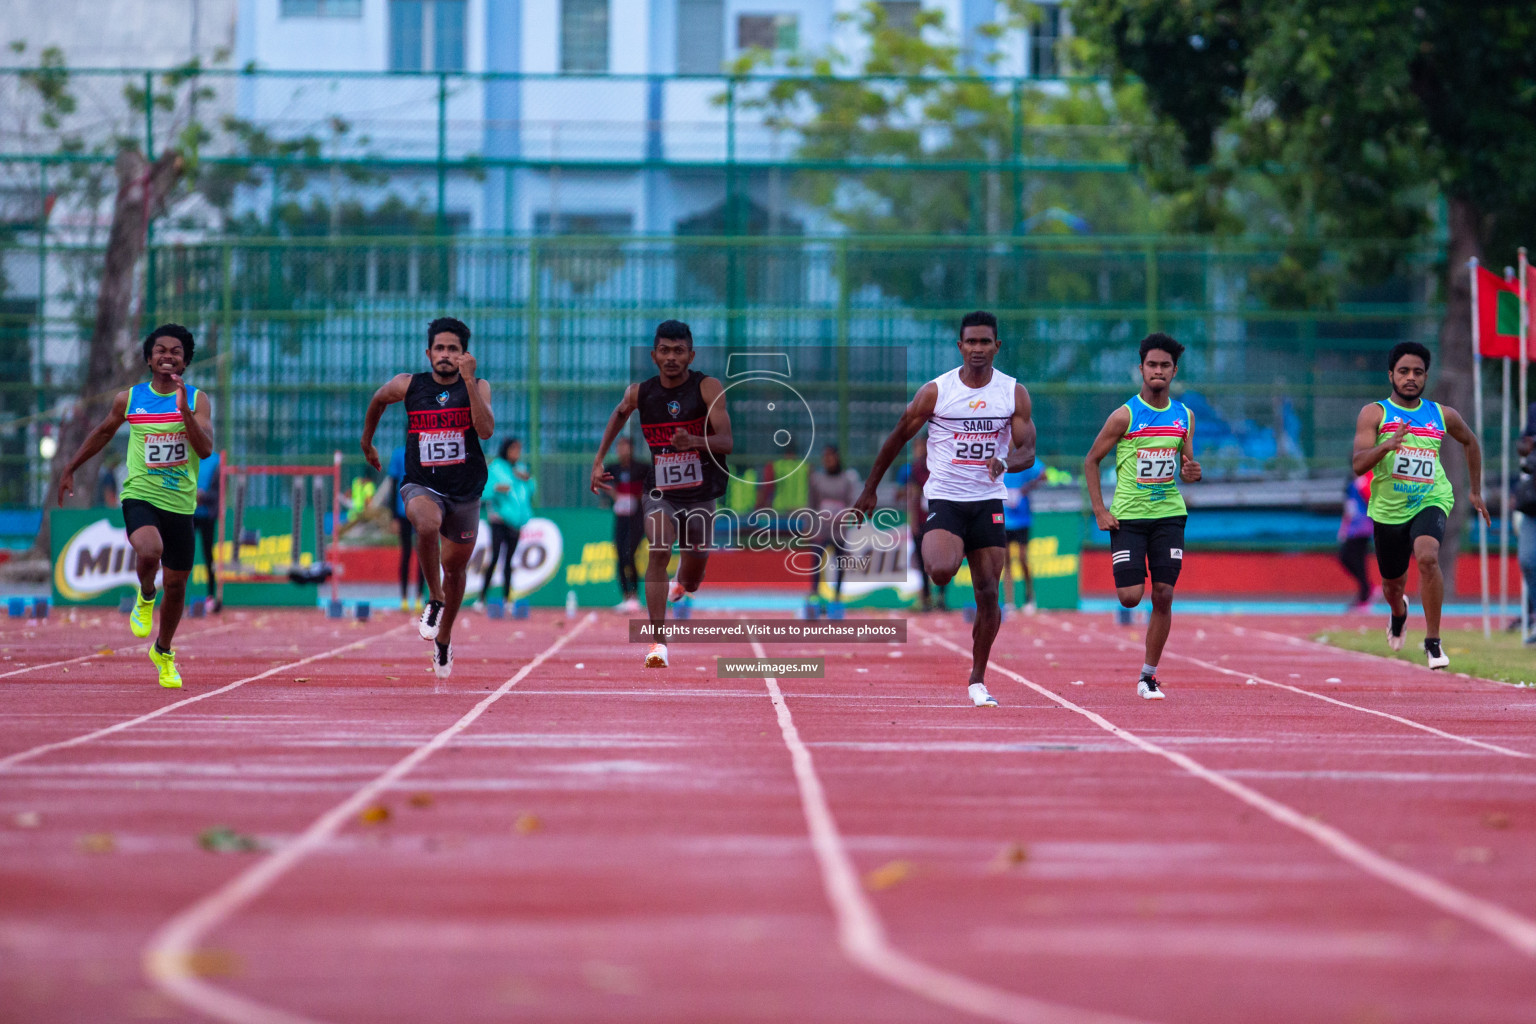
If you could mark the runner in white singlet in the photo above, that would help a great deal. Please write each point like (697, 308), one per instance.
(979, 428)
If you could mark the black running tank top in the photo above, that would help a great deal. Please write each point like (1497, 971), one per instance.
(442, 450)
(681, 476)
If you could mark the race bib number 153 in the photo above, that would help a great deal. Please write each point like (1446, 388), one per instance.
(441, 447)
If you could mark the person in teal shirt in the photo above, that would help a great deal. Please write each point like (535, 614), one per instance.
(508, 504)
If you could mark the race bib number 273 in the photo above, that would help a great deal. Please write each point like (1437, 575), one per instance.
(1156, 465)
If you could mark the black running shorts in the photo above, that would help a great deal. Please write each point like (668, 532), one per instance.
(1140, 545)
(1394, 541)
(178, 539)
(461, 516)
(978, 524)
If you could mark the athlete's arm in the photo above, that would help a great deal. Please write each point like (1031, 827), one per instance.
(1023, 454)
(1457, 428)
(1109, 435)
(918, 412)
(479, 397)
(94, 442)
(388, 395)
(616, 420)
(1367, 451)
(198, 422)
(718, 438)
(1189, 469)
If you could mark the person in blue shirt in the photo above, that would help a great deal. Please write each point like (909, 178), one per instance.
(508, 505)
(406, 532)
(1016, 520)
(205, 520)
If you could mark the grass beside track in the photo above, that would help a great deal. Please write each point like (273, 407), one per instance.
(1502, 657)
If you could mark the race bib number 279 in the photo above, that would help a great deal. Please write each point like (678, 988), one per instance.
(162, 451)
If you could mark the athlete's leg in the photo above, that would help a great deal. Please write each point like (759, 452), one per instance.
(147, 549)
(1007, 583)
(661, 534)
(1426, 551)
(171, 606)
(695, 534)
(986, 567)
(1130, 597)
(513, 533)
(427, 519)
(455, 569)
(1029, 579)
(205, 529)
(498, 542)
(942, 554)
(1160, 621)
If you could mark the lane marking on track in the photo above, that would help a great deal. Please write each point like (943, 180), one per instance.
(169, 958)
(88, 657)
(38, 751)
(1299, 640)
(1519, 932)
(860, 932)
(1410, 723)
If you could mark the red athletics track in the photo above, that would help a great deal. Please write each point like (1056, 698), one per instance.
(694, 849)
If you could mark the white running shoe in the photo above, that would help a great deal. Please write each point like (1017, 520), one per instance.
(1437, 658)
(676, 593)
(629, 604)
(1030, 608)
(442, 660)
(656, 657)
(980, 697)
(1149, 688)
(1395, 640)
(431, 618)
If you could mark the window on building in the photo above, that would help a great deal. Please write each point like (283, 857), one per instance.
(322, 8)
(700, 37)
(584, 36)
(901, 15)
(776, 32)
(426, 35)
(1045, 43)
(562, 223)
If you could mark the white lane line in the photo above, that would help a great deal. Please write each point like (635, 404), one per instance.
(98, 654)
(1331, 649)
(859, 930)
(46, 748)
(1517, 931)
(1410, 723)
(170, 957)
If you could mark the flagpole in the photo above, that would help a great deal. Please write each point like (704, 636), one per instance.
(1477, 415)
(1525, 330)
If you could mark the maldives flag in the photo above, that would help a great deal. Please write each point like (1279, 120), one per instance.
(1498, 316)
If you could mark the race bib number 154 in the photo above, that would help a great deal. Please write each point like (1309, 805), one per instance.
(675, 470)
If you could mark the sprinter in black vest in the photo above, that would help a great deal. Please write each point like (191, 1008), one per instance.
(683, 418)
(448, 414)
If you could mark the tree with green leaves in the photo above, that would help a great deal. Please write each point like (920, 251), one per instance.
(1397, 121)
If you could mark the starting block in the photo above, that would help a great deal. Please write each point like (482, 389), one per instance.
(335, 609)
(835, 610)
(495, 609)
(520, 608)
(198, 607)
(39, 607)
(361, 611)
(17, 606)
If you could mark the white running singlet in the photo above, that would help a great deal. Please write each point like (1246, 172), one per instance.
(969, 427)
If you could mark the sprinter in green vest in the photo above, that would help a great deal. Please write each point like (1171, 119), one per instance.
(170, 428)
(1152, 436)
(1398, 441)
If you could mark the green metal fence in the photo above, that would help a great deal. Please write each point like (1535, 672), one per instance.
(296, 334)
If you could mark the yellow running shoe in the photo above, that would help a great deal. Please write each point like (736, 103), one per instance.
(143, 615)
(166, 663)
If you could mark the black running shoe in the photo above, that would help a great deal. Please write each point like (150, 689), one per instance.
(1433, 653)
(1149, 688)
(431, 616)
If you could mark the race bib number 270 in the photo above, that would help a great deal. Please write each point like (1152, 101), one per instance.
(1415, 465)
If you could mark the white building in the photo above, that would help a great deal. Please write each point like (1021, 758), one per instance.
(590, 85)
